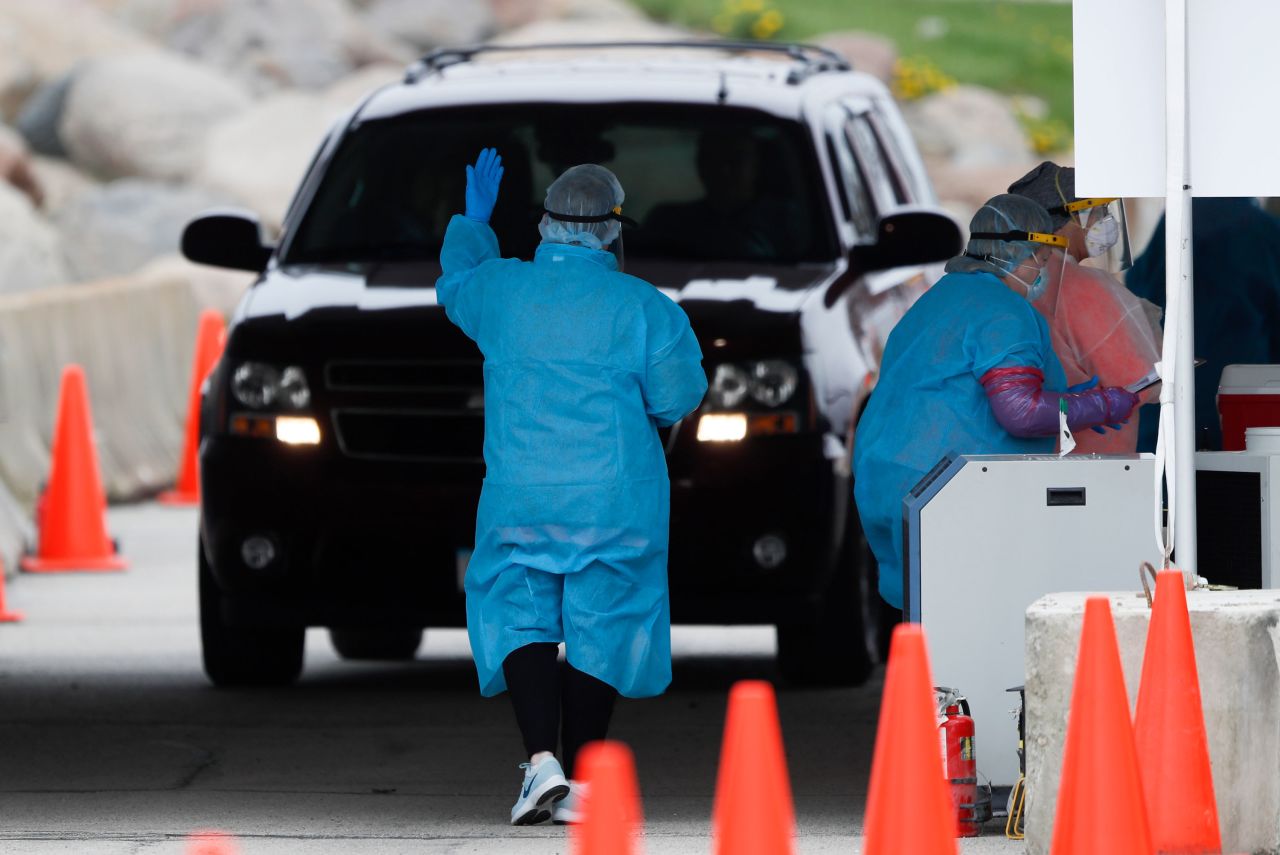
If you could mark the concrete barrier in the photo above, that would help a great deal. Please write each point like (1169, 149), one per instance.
(134, 337)
(1237, 643)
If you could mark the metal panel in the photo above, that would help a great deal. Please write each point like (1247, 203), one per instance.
(991, 535)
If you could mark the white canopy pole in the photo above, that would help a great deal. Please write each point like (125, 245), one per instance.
(1178, 394)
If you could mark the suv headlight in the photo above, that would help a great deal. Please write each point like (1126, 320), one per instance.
(259, 385)
(729, 386)
(773, 382)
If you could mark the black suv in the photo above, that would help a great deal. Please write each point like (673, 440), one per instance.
(780, 201)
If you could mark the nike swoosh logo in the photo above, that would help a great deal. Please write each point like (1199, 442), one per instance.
(527, 786)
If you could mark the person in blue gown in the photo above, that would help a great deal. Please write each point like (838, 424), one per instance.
(583, 364)
(969, 369)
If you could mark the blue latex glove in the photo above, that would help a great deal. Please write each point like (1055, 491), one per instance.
(482, 185)
(1083, 387)
(1103, 428)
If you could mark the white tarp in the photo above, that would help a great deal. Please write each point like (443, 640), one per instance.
(1232, 59)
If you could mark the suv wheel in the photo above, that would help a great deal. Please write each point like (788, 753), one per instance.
(843, 643)
(236, 656)
(387, 644)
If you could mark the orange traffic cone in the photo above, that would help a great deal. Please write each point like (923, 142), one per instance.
(908, 806)
(611, 801)
(209, 340)
(1173, 750)
(211, 843)
(73, 531)
(6, 616)
(753, 811)
(1100, 806)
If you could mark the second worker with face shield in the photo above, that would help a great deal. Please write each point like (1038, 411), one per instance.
(583, 364)
(1099, 329)
(969, 369)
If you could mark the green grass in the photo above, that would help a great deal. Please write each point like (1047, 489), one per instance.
(1013, 47)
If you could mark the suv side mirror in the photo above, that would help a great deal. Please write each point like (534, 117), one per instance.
(908, 237)
(226, 238)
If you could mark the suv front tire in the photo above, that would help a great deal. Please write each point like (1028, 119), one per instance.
(240, 656)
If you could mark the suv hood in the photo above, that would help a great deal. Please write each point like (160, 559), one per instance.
(294, 291)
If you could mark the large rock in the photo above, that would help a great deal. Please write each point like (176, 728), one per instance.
(349, 91)
(41, 40)
(144, 115)
(61, 184)
(40, 118)
(259, 156)
(116, 228)
(30, 250)
(273, 44)
(967, 127)
(16, 167)
(590, 30)
(1237, 649)
(426, 24)
(876, 55)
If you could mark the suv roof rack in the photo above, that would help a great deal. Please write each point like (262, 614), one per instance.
(813, 58)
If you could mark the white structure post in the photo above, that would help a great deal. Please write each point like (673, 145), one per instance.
(1179, 329)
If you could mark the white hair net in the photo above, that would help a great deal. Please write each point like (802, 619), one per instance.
(1003, 213)
(586, 190)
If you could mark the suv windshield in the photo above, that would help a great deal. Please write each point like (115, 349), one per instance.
(705, 184)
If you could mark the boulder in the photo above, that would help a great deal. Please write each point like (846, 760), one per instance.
(42, 40)
(30, 250)
(876, 55)
(350, 90)
(145, 115)
(40, 117)
(590, 30)
(510, 14)
(116, 228)
(60, 182)
(258, 157)
(968, 126)
(273, 44)
(427, 24)
(595, 10)
(16, 167)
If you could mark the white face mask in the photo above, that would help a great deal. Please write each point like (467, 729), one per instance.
(1101, 236)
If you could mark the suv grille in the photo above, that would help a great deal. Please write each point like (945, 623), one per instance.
(441, 417)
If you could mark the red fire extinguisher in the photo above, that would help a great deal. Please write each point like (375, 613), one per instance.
(960, 765)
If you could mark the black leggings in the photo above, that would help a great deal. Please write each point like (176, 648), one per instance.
(542, 693)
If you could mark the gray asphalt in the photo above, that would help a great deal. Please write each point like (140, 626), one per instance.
(112, 741)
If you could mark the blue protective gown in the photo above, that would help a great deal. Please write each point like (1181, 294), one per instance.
(1236, 262)
(929, 400)
(582, 365)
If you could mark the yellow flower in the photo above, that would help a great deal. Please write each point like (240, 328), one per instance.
(752, 6)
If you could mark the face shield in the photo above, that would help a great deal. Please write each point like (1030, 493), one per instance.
(560, 228)
(1042, 250)
(1106, 231)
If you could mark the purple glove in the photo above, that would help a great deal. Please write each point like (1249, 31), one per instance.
(1023, 407)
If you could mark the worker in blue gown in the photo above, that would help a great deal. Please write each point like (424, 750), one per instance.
(583, 364)
(1235, 248)
(969, 369)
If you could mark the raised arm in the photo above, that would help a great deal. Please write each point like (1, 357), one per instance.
(469, 242)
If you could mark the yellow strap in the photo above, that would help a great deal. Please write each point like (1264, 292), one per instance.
(1049, 240)
(1084, 204)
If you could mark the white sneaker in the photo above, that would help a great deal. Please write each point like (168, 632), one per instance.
(568, 811)
(544, 785)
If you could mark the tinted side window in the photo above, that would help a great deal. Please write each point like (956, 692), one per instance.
(858, 201)
(891, 144)
(881, 181)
